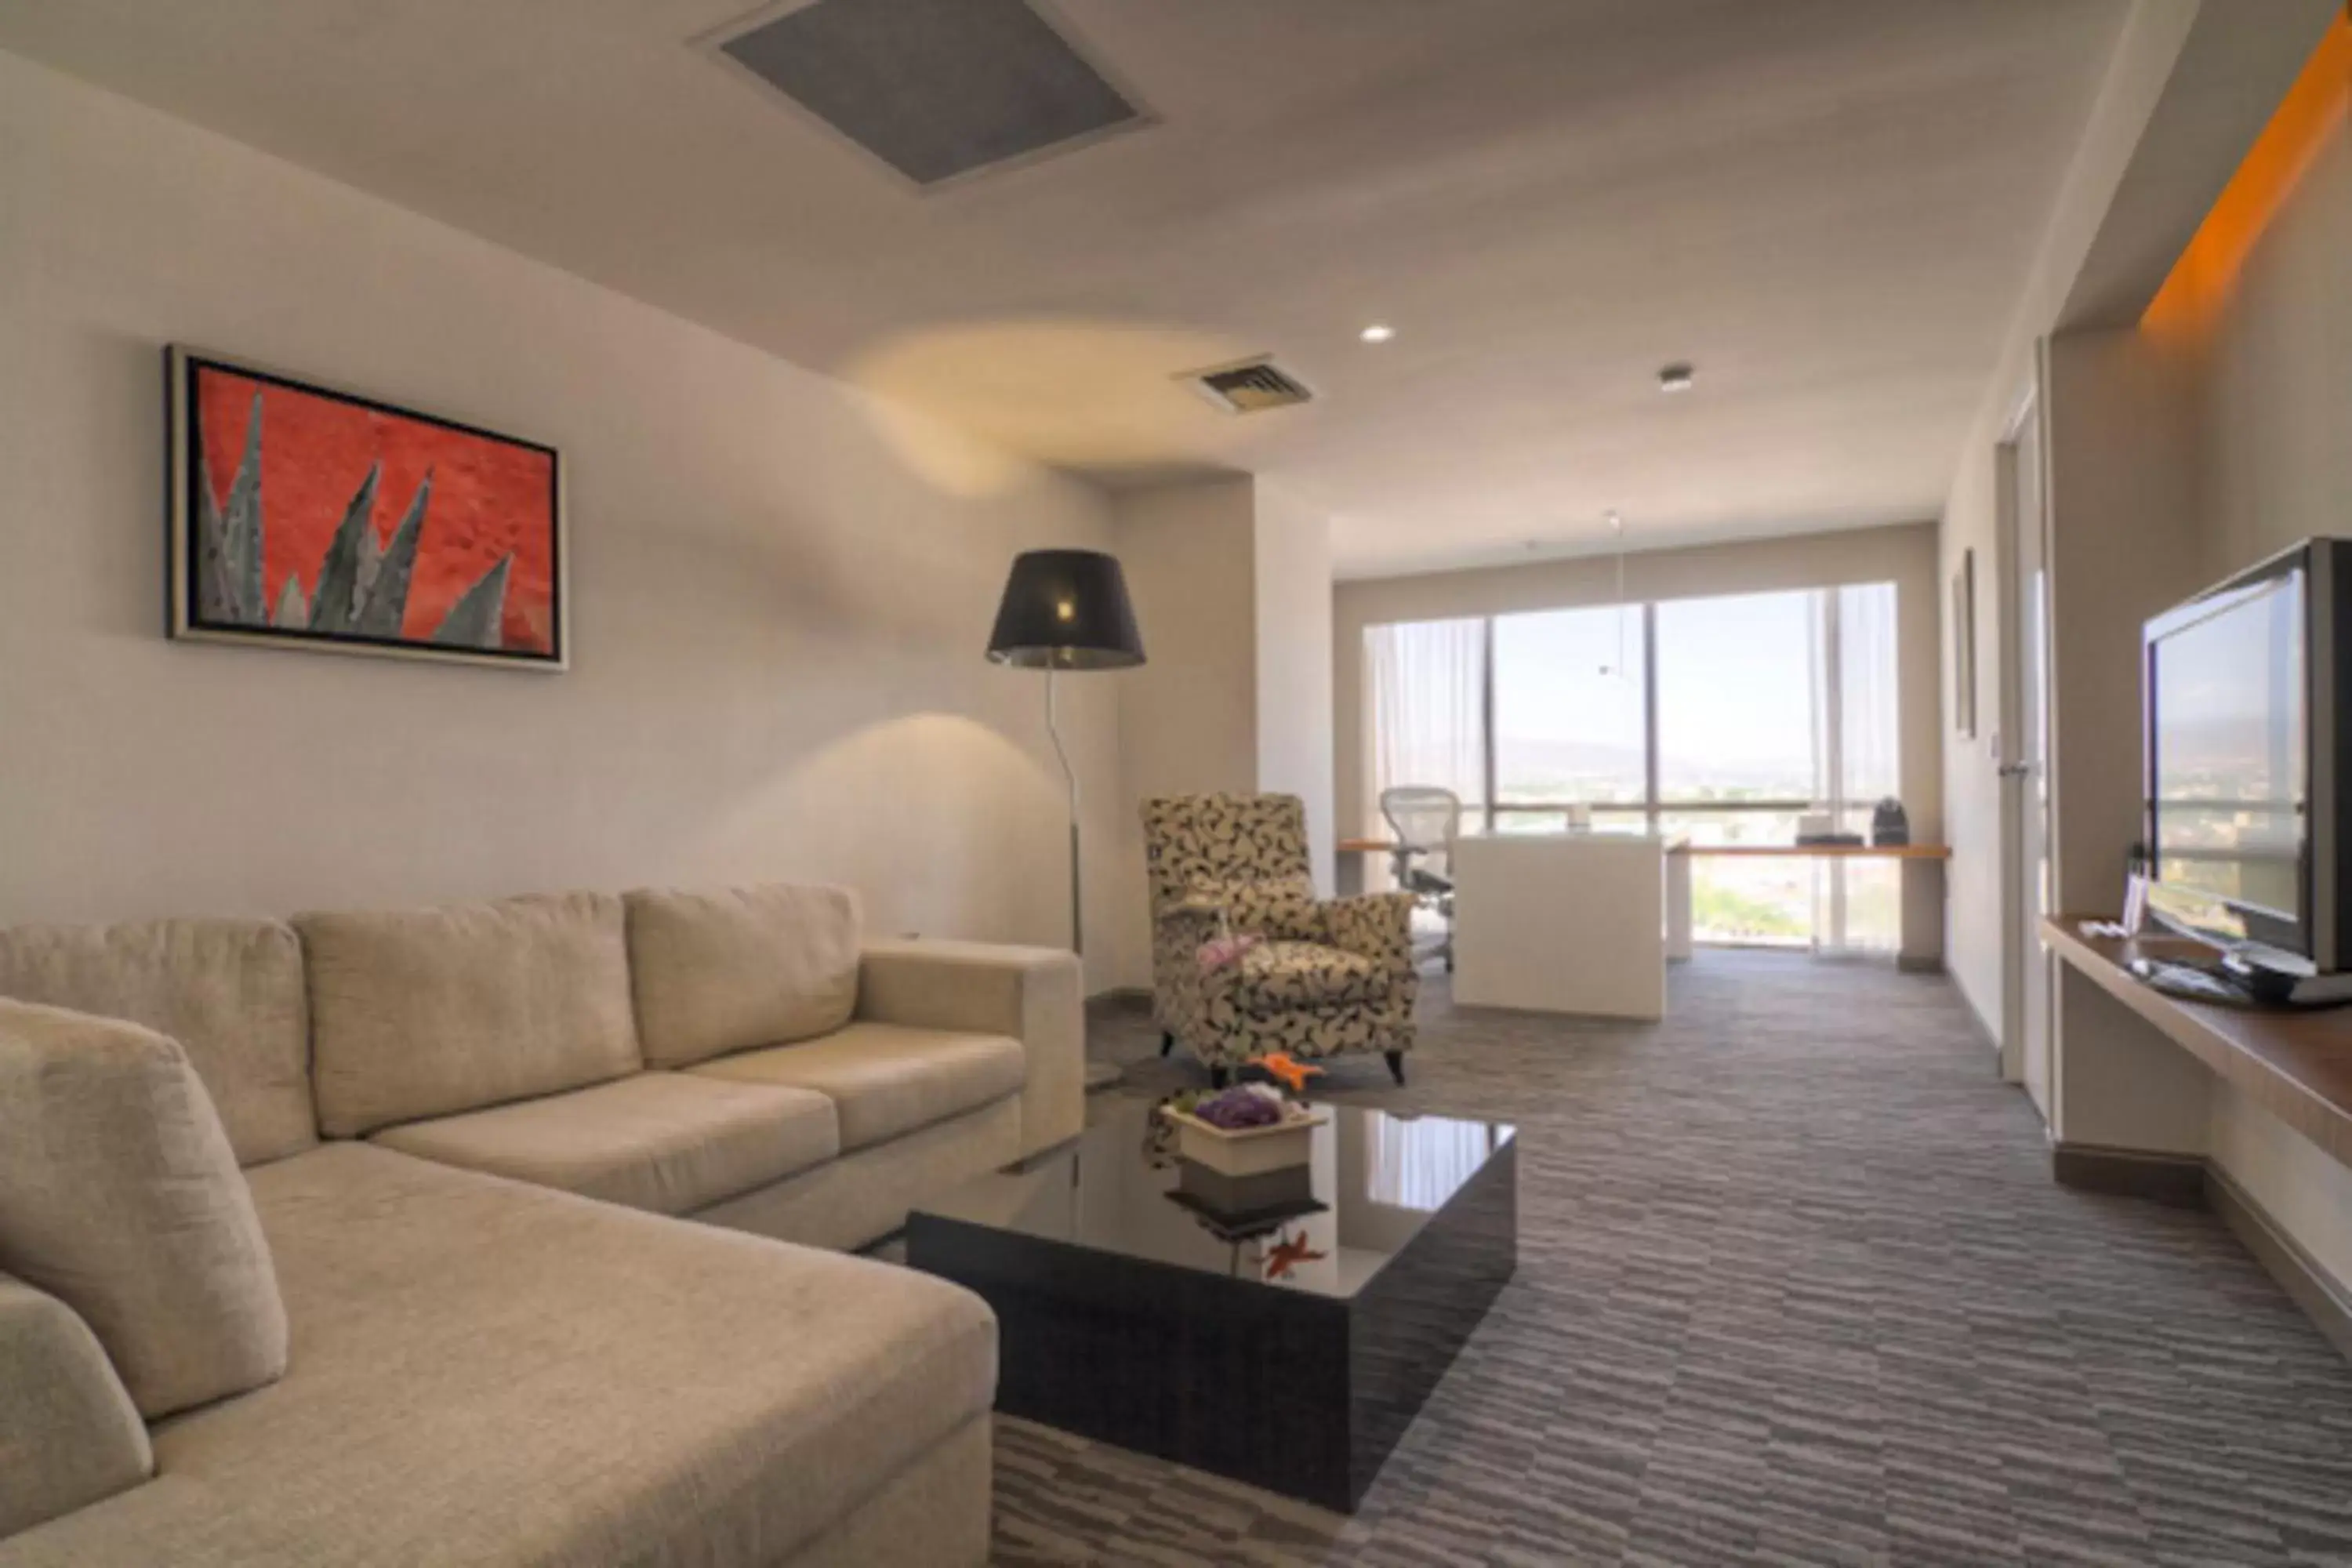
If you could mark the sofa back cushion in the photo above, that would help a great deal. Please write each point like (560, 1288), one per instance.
(751, 966)
(119, 1197)
(230, 990)
(431, 1011)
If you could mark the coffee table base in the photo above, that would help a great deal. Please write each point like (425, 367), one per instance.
(1300, 1393)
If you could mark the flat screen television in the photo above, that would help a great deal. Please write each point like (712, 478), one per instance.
(2247, 778)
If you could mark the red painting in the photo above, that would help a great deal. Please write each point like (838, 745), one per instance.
(311, 514)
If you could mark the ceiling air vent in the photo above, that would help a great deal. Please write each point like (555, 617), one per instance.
(1251, 386)
(935, 89)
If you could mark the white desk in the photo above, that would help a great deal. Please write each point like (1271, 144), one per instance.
(1567, 922)
(1354, 852)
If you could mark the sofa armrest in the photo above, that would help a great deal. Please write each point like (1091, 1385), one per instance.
(1028, 992)
(1377, 926)
(69, 1436)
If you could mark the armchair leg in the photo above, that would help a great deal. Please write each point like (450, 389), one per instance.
(1396, 1066)
(1166, 1041)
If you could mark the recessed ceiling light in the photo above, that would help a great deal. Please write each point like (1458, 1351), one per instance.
(1677, 377)
(1377, 332)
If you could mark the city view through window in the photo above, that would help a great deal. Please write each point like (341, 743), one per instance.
(1722, 720)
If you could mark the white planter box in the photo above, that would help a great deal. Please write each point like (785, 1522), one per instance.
(1249, 1152)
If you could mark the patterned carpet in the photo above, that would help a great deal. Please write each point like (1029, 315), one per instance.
(1795, 1286)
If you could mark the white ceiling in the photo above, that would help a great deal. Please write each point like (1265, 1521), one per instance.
(1829, 205)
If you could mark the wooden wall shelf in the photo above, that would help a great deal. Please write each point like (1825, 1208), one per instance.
(2295, 1065)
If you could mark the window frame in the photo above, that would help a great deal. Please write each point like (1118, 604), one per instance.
(1652, 806)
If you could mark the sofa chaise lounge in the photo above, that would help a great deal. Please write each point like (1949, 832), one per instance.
(472, 1137)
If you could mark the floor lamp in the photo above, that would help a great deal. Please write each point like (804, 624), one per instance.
(1066, 610)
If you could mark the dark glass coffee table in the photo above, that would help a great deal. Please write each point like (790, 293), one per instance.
(1282, 1330)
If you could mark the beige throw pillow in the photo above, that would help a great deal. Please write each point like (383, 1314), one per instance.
(119, 1197)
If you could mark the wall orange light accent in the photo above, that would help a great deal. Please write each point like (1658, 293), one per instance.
(2314, 109)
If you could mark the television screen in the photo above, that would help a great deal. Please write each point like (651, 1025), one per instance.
(2228, 767)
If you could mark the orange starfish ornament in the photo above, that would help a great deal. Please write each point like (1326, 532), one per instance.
(1281, 1067)
(1286, 1255)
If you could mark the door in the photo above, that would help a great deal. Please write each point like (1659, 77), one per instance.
(2021, 754)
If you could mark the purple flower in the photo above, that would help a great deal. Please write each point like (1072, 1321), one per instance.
(1236, 1109)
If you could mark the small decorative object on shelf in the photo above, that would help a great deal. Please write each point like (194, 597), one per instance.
(1889, 823)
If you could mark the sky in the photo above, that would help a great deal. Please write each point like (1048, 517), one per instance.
(1733, 680)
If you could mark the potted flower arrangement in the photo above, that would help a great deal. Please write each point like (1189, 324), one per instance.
(1250, 1128)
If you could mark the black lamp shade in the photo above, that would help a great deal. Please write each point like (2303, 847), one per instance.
(1066, 609)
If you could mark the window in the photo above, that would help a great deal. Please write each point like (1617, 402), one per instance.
(1724, 720)
(1567, 712)
(1736, 689)
(1771, 705)
(1427, 685)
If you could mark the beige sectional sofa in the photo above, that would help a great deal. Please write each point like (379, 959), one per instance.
(471, 1136)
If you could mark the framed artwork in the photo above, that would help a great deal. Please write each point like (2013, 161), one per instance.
(1964, 645)
(305, 517)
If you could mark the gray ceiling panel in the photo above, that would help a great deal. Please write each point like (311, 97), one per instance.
(933, 88)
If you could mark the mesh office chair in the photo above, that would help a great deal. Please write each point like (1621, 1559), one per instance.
(1426, 820)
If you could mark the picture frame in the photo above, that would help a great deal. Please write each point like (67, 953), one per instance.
(1964, 645)
(302, 515)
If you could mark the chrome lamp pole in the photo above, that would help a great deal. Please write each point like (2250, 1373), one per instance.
(1067, 610)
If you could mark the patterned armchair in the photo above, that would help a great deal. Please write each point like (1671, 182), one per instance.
(1328, 976)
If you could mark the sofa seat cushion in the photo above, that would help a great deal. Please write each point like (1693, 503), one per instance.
(656, 1141)
(1277, 977)
(887, 1079)
(489, 1371)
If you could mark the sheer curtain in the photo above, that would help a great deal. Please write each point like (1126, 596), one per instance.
(1426, 689)
(1419, 1165)
(1858, 904)
(1869, 745)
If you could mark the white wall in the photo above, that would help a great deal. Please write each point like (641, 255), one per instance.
(1188, 715)
(2145, 57)
(1232, 584)
(2123, 482)
(2274, 433)
(2305, 1191)
(780, 621)
(2177, 454)
(2123, 487)
(2275, 407)
(1294, 664)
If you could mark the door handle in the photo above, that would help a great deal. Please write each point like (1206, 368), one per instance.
(2013, 770)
